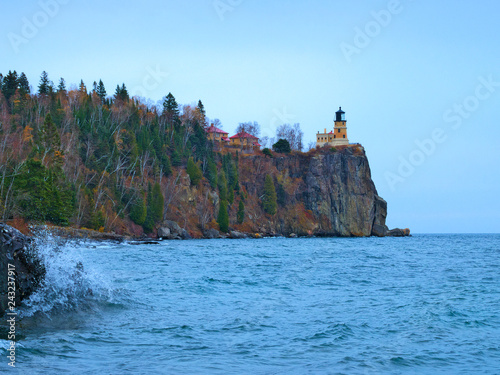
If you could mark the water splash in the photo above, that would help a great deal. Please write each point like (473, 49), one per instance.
(71, 282)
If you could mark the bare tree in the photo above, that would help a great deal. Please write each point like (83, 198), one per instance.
(252, 128)
(293, 134)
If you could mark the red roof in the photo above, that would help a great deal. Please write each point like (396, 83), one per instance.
(213, 129)
(225, 139)
(243, 135)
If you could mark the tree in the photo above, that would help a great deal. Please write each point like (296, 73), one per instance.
(222, 182)
(24, 85)
(293, 134)
(250, 128)
(223, 217)
(212, 173)
(155, 207)
(240, 216)
(171, 110)
(43, 87)
(51, 140)
(194, 172)
(121, 93)
(267, 152)
(10, 84)
(82, 88)
(138, 211)
(282, 146)
(62, 86)
(101, 91)
(269, 200)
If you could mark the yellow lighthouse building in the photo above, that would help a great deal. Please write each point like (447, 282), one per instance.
(338, 136)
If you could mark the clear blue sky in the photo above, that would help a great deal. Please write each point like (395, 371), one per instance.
(423, 71)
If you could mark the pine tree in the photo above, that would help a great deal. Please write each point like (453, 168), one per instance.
(222, 182)
(43, 87)
(212, 174)
(223, 217)
(10, 84)
(176, 158)
(194, 172)
(101, 91)
(269, 201)
(138, 211)
(201, 108)
(171, 111)
(155, 207)
(50, 136)
(240, 216)
(24, 85)
(121, 93)
(62, 86)
(82, 88)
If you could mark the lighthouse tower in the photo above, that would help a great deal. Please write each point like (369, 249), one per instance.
(338, 136)
(340, 129)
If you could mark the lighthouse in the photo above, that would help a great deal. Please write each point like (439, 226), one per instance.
(338, 136)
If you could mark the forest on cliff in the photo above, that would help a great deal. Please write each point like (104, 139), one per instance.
(84, 158)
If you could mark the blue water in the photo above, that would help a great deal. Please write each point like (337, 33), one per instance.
(429, 304)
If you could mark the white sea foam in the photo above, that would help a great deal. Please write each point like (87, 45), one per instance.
(70, 282)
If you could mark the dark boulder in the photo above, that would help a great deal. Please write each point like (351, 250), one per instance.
(211, 234)
(398, 232)
(18, 251)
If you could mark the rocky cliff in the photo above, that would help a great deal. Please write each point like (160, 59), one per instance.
(328, 193)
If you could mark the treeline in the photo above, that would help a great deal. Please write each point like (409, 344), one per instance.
(82, 157)
(85, 158)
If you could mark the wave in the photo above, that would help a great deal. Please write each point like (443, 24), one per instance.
(71, 282)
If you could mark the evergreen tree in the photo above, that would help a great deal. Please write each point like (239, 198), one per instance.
(171, 111)
(43, 87)
(222, 185)
(155, 207)
(201, 108)
(267, 152)
(138, 211)
(1, 81)
(101, 91)
(24, 85)
(176, 158)
(50, 136)
(121, 93)
(212, 173)
(240, 216)
(82, 88)
(223, 217)
(194, 172)
(269, 201)
(282, 146)
(62, 86)
(10, 84)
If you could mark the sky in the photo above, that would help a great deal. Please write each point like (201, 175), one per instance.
(419, 80)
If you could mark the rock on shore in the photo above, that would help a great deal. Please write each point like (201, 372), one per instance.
(17, 250)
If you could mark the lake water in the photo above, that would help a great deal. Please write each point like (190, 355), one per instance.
(429, 304)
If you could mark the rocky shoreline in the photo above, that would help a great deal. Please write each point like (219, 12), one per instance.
(170, 230)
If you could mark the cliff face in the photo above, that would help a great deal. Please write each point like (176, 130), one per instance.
(326, 193)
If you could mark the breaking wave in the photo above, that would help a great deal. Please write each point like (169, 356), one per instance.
(71, 283)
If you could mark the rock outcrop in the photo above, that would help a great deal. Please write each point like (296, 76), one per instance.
(334, 186)
(170, 230)
(17, 251)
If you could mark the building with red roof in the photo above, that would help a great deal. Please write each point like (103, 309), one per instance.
(244, 139)
(216, 134)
